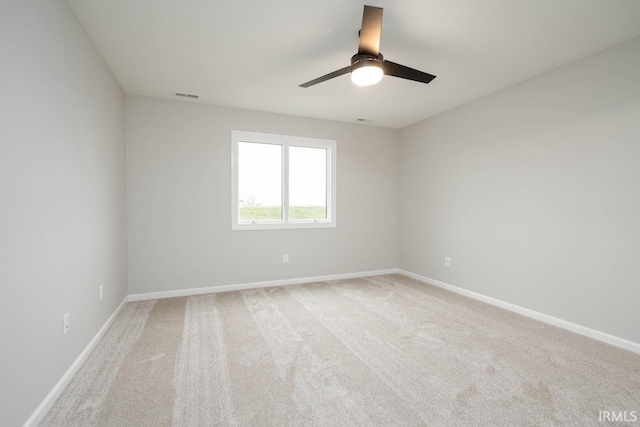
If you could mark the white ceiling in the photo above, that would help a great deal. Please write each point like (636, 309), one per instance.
(253, 54)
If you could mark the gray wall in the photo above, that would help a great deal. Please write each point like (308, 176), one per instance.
(534, 192)
(179, 200)
(62, 197)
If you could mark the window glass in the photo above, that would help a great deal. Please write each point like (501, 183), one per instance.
(307, 183)
(259, 182)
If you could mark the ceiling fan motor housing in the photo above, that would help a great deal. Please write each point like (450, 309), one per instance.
(363, 60)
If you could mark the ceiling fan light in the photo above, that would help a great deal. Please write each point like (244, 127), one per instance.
(367, 75)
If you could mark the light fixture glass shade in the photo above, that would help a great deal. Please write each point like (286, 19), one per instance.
(366, 76)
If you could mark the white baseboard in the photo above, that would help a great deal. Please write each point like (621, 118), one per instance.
(578, 329)
(47, 403)
(226, 288)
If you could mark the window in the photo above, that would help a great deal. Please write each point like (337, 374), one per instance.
(282, 182)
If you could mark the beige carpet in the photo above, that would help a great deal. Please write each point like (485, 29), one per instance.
(375, 351)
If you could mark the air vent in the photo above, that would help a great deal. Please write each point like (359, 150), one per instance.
(187, 95)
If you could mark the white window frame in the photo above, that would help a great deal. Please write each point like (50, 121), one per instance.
(285, 141)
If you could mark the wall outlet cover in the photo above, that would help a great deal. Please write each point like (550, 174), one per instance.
(65, 321)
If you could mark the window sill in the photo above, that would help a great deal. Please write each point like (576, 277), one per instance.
(282, 225)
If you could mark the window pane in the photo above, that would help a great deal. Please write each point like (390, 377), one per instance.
(307, 183)
(259, 181)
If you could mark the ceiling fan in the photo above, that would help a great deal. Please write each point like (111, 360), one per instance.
(368, 65)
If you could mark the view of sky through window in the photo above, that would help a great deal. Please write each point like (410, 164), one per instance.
(260, 176)
(307, 181)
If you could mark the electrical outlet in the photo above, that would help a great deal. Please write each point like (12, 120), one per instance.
(65, 321)
(285, 258)
(447, 261)
(101, 292)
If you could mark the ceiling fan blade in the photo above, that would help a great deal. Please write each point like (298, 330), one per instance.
(329, 76)
(397, 70)
(371, 30)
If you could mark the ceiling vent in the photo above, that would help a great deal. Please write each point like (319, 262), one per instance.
(187, 95)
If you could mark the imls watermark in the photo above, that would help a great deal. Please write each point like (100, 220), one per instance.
(618, 416)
